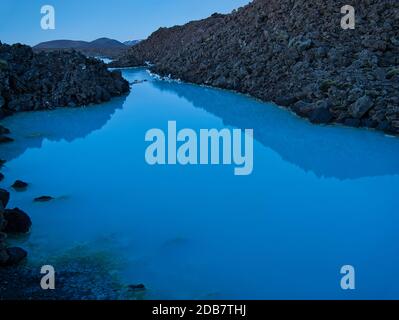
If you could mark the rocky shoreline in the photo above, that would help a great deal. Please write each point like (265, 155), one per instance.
(12, 221)
(293, 53)
(40, 81)
(77, 278)
(80, 276)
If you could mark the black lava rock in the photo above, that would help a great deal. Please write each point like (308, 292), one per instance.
(16, 255)
(4, 197)
(43, 199)
(285, 101)
(17, 221)
(5, 139)
(20, 185)
(321, 115)
(352, 122)
(33, 81)
(4, 130)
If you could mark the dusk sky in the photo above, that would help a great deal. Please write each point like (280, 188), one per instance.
(91, 19)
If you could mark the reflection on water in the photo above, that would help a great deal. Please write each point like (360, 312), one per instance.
(319, 198)
(31, 128)
(328, 151)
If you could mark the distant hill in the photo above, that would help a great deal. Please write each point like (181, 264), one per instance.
(103, 47)
(61, 44)
(106, 43)
(132, 42)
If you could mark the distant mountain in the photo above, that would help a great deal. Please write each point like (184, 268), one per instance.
(103, 47)
(131, 43)
(61, 44)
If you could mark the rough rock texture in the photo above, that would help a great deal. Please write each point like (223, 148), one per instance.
(292, 52)
(19, 185)
(4, 257)
(11, 221)
(17, 221)
(15, 256)
(5, 139)
(81, 274)
(4, 197)
(34, 81)
(4, 130)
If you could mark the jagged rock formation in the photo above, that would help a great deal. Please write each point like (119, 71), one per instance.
(35, 81)
(292, 52)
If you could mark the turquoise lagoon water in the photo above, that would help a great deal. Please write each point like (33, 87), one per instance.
(320, 197)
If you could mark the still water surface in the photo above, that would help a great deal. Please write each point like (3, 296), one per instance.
(319, 197)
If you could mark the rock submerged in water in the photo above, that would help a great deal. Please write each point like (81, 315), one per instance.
(17, 221)
(4, 130)
(43, 199)
(15, 256)
(3, 257)
(3, 248)
(11, 221)
(20, 185)
(4, 197)
(3, 222)
(5, 139)
(321, 115)
(137, 81)
(137, 287)
(1, 176)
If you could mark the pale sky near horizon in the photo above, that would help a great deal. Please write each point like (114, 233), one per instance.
(91, 19)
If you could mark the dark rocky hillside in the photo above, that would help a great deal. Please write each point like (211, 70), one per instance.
(34, 81)
(292, 52)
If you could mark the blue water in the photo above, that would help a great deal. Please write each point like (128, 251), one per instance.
(320, 197)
